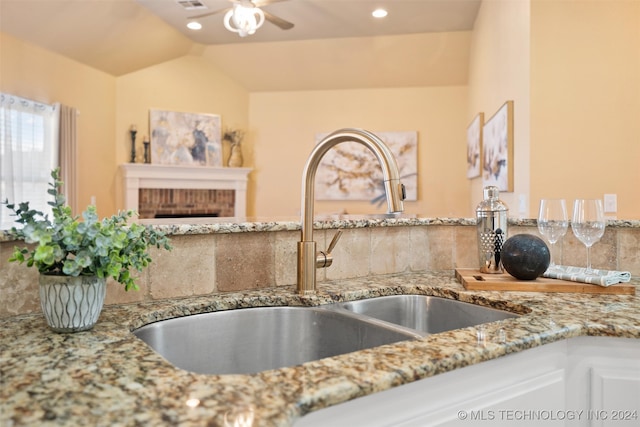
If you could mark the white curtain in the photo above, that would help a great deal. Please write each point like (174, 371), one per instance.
(29, 150)
(68, 154)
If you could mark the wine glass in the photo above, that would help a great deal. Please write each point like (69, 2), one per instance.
(588, 224)
(553, 222)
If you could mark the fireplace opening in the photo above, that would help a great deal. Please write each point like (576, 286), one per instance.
(187, 215)
(185, 203)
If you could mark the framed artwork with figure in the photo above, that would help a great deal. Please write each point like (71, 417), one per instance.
(186, 139)
(497, 149)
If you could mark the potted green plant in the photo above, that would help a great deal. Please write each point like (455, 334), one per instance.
(75, 257)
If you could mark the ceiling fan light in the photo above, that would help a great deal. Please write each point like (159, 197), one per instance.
(243, 20)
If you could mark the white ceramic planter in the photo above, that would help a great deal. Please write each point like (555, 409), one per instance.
(71, 304)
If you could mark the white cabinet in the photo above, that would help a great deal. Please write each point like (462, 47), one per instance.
(603, 377)
(559, 384)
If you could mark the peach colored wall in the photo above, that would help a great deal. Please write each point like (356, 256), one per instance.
(285, 124)
(109, 105)
(499, 71)
(34, 73)
(189, 84)
(585, 101)
(572, 68)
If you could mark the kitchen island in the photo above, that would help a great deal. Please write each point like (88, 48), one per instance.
(108, 377)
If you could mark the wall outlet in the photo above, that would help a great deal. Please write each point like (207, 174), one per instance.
(610, 203)
(93, 200)
(522, 205)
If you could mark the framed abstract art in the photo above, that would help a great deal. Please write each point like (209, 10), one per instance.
(497, 149)
(474, 146)
(185, 138)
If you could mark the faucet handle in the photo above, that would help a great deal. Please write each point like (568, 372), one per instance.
(334, 241)
(324, 258)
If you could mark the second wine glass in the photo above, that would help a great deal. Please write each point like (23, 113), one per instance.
(553, 223)
(588, 224)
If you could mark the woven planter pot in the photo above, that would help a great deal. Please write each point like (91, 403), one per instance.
(71, 304)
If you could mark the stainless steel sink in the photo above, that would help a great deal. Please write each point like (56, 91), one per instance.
(251, 340)
(245, 341)
(426, 314)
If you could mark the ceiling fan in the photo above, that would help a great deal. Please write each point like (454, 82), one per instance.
(246, 16)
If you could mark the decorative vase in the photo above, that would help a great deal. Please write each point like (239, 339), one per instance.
(235, 159)
(71, 304)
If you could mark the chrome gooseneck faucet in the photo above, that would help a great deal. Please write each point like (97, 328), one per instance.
(308, 258)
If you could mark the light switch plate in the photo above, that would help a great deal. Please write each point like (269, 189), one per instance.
(522, 204)
(610, 203)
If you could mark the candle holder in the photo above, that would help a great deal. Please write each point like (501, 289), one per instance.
(147, 159)
(133, 133)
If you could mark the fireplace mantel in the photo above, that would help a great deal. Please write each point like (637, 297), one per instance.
(140, 175)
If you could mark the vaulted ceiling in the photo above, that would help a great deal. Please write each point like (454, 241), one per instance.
(122, 36)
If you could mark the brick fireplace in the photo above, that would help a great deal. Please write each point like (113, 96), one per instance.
(166, 191)
(180, 203)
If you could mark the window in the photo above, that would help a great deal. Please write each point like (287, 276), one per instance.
(28, 153)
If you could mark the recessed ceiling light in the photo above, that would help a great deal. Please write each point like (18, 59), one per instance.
(193, 25)
(379, 13)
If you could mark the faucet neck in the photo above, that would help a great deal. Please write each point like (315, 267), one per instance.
(393, 188)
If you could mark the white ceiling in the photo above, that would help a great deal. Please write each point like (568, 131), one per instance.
(122, 36)
(321, 19)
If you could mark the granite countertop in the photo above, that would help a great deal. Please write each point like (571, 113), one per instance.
(194, 226)
(178, 226)
(108, 377)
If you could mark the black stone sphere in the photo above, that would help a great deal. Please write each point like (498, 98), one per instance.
(525, 256)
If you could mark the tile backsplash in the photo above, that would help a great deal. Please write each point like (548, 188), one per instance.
(201, 264)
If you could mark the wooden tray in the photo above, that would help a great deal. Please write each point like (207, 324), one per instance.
(472, 279)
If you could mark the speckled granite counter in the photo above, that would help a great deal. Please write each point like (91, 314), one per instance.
(108, 377)
(191, 226)
(239, 225)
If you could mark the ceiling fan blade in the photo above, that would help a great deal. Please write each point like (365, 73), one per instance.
(285, 25)
(204, 15)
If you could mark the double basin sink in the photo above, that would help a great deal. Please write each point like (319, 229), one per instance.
(250, 340)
